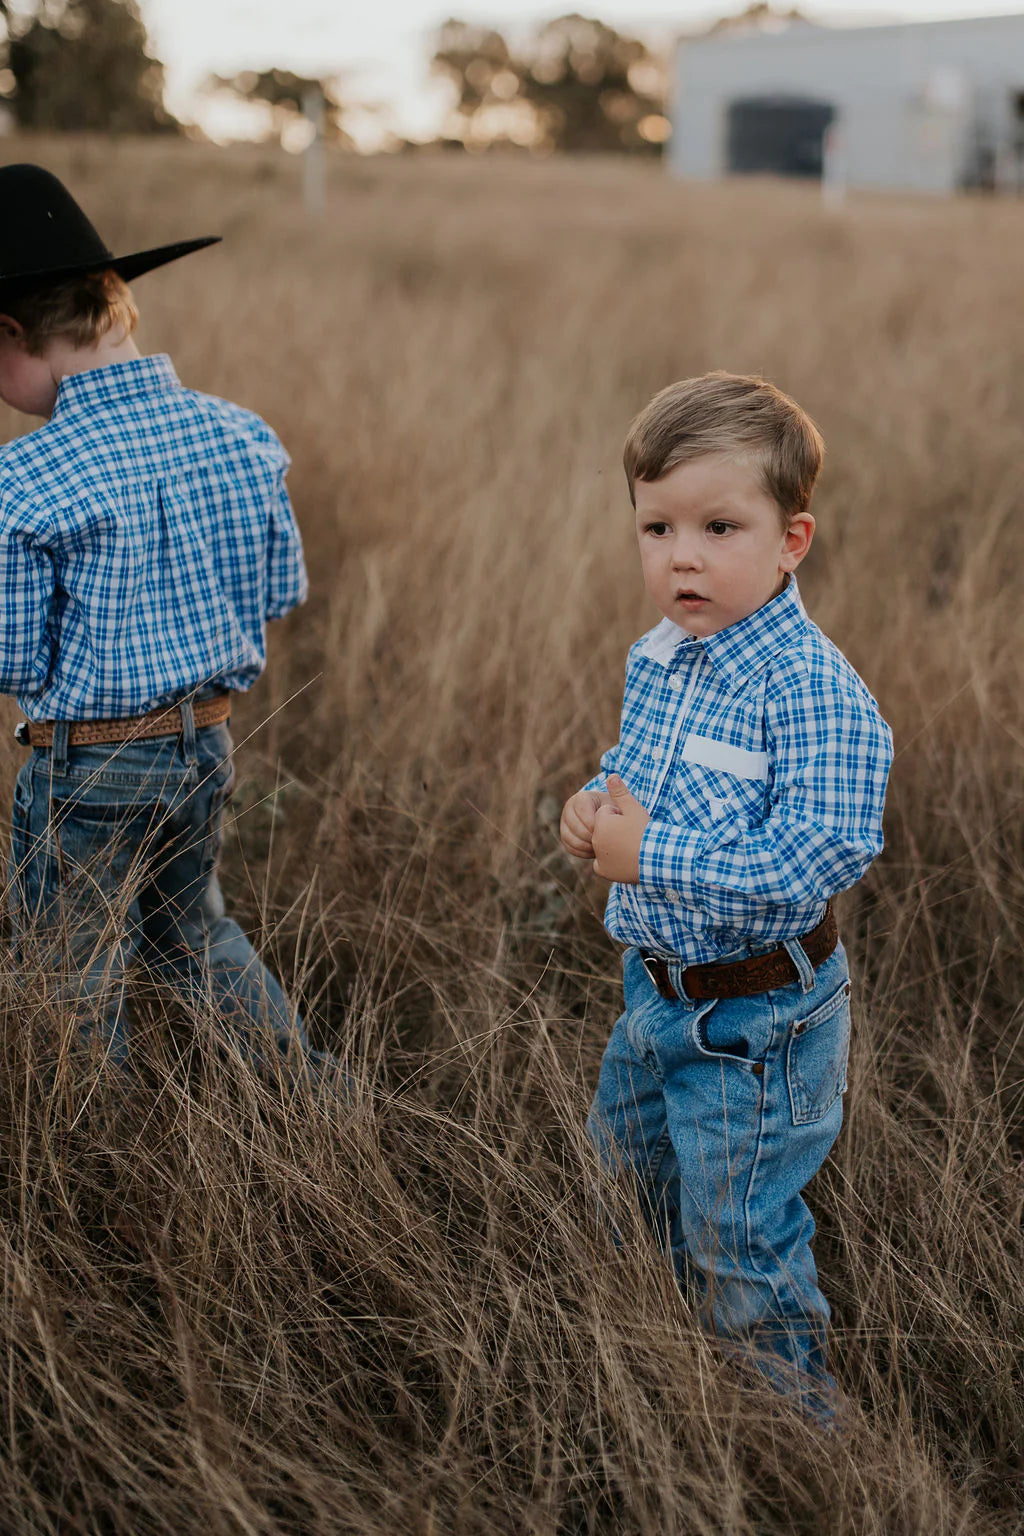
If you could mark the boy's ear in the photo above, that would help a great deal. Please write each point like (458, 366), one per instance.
(11, 328)
(796, 541)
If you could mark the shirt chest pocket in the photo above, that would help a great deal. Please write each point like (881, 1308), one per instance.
(712, 781)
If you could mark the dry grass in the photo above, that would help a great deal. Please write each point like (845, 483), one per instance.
(229, 1311)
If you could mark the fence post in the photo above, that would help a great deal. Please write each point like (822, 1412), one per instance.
(834, 170)
(313, 165)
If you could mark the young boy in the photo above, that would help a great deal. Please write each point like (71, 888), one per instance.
(145, 538)
(745, 790)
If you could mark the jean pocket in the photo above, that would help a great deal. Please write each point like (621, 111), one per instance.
(101, 847)
(816, 1055)
(726, 1029)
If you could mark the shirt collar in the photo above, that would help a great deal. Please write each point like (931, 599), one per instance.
(744, 647)
(114, 382)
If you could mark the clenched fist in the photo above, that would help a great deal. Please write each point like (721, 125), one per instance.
(617, 834)
(578, 816)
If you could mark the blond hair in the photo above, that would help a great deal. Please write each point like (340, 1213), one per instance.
(734, 414)
(80, 309)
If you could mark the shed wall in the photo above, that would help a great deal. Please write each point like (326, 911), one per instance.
(911, 99)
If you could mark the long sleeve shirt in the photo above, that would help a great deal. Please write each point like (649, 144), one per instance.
(145, 538)
(762, 761)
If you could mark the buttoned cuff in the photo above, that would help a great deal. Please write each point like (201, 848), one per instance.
(668, 856)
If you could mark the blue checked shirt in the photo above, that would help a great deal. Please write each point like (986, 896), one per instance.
(145, 538)
(762, 760)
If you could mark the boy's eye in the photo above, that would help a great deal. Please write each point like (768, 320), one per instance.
(718, 527)
(658, 529)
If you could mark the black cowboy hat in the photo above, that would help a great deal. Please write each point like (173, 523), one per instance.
(45, 237)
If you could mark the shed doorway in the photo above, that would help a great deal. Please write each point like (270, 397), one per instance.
(782, 135)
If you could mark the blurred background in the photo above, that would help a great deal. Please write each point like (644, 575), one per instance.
(929, 99)
(459, 255)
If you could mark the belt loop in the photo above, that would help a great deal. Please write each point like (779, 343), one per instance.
(59, 748)
(188, 733)
(804, 968)
(676, 972)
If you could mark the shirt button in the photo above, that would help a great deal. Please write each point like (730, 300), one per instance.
(675, 681)
(657, 754)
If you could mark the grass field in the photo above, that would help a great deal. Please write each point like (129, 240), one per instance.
(230, 1313)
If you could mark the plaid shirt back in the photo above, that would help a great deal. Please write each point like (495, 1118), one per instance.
(762, 760)
(145, 538)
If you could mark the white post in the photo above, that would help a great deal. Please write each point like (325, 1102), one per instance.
(1006, 169)
(833, 167)
(313, 164)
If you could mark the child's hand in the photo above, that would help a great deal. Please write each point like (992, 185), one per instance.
(618, 832)
(578, 816)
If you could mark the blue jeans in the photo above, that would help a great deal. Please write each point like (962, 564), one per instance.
(722, 1111)
(114, 859)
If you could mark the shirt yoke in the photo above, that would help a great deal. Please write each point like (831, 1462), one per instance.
(81, 449)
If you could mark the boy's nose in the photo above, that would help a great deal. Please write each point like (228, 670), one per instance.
(686, 557)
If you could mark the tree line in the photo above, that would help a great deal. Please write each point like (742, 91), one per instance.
(575, 85)
(74, 65)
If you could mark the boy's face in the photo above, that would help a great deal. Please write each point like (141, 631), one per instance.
(27, 383)
(712, 543)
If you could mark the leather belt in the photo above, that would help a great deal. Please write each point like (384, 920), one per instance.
(744, 978)
(158, 722)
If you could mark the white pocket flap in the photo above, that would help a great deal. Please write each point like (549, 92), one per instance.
(725, 759)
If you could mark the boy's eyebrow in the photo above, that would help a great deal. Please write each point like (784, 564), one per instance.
(714, 510)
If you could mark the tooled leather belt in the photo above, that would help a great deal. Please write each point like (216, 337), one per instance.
(744, 978)
(158, 722)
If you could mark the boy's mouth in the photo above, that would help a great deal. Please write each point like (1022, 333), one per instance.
(690, 598)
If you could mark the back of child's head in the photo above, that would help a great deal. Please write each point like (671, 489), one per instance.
(81, 310)
(737, 415)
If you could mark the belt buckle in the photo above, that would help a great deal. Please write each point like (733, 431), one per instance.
(656, 967)
(21, 734)
(649, 962)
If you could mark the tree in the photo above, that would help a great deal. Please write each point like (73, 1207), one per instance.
(592, 88)
(83, 64)
(287, 97)
(578, 85)
(759, 16)
(474, 58)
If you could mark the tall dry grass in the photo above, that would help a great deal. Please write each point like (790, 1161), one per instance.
(231, 1308)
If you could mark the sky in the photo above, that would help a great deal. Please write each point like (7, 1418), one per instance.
(382, 47)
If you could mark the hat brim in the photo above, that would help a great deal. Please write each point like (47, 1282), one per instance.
(126, 267)
(130, 267)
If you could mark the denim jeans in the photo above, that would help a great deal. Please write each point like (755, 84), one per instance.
(722, 1111)
(114, 859)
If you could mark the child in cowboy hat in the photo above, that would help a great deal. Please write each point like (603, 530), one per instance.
(745, 790)
(145, 538)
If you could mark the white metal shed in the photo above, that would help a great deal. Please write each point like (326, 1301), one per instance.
(928, 106)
